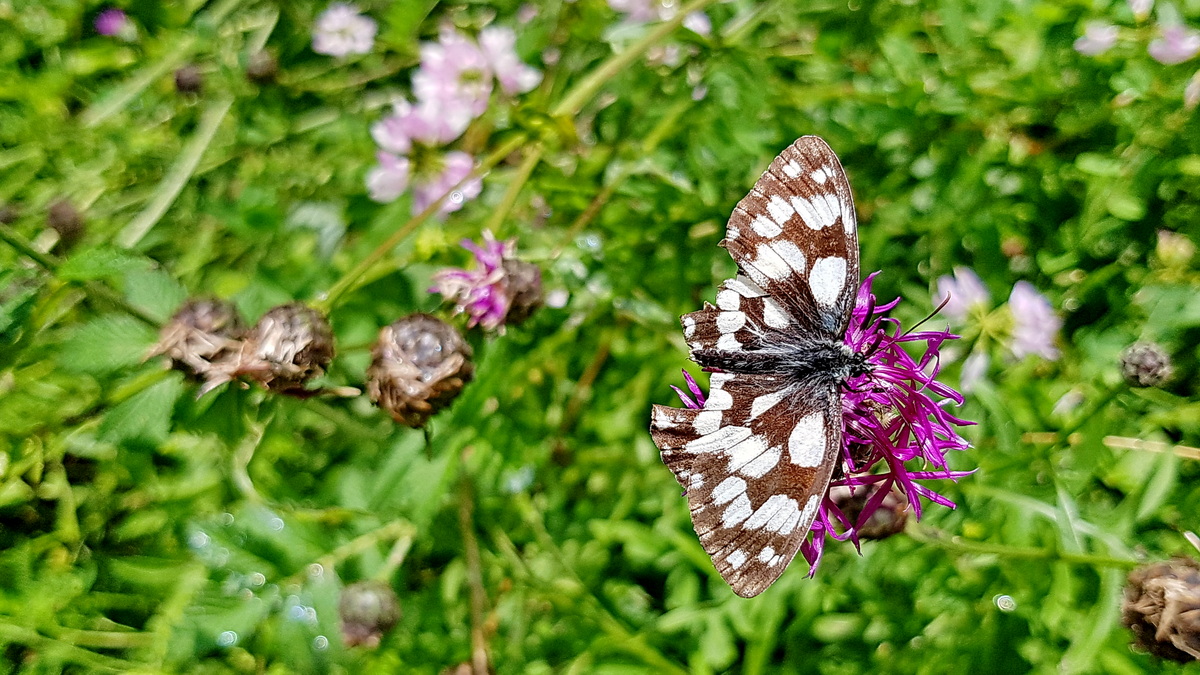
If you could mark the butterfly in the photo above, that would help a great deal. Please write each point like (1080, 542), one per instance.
(756, 460)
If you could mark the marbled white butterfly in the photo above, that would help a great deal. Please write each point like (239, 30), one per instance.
(757, 458)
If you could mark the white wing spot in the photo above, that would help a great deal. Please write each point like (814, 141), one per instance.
(759, 466)
(718, 400)
(695, 481)
(810, 510)
(663, 420)
(745, 452)
(806, 444)
(727, 342)
(791, 254)
(766, 554)
(745, 287)
(707, 421)
(771, 264)
(728, 322)
(689, 326)
(728, 299)
(718, 440)
(786, 520)
(820, 175)
(827, 279)
(738, 511)
(765, 402)
(736, 559)
(765, 227)
(792, 169)
(774, 314)
(781, 212)
(849, 220)
(728, 489)
(770, 511)
(718, 380)
(819, 212)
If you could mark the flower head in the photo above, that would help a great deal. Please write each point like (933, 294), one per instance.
(961, 292)
(641, 11)
(500, 290)
(1177, 44)
(112, 22)
(389, 179)
(1098, 38)
(1035, 325)
(341, 31)
(430, 122)
(1140, 8)
(893, 415)
(1162, 608)
(430, 186)
(499, 48)
(455, 72)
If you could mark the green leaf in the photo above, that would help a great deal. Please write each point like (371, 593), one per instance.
(155, 291)
(107, 344)
(145, 416)
(101, 263)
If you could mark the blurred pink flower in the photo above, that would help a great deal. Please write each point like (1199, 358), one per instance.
(389, 179)
(974, 371)
(1141, 8)
(1177, 44)
(112, 22)
(1098, 38)
(455, 166)
(429, 122)
(499, 48)
(965, 290)
(698, 23)
(341, 30)
(1035, 325)
(455, 73)
(641, 11)
(481, 293)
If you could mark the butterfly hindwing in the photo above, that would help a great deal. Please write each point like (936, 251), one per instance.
(755, 463)
(796, 236)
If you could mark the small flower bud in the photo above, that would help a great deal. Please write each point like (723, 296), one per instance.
(1145, 364)
(420, 364)
(885, 520)
(262, 67)
(368, 609)
(290, 345)
(524, 290)
(202, 331)
(65, 219)
(189, 80)
(1162, 608)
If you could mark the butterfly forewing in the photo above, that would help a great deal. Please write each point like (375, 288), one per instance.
(756, 460)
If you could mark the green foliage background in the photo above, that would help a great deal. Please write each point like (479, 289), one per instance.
(139, 525)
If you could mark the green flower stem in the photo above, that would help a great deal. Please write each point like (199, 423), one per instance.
(496, 220)
(350, 278)
(583, 92)
(466, 504)
(396, 529)
(27, 249)
(64, 649)
(928, 535)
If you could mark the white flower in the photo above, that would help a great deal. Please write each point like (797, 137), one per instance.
(340, 31)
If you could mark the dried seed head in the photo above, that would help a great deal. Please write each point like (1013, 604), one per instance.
(368, 609)
(1146, 364)
(66, 220)
(420, 365)
(262, 67)
(1162, 608)
(189, 80)
(290, 345)
(202, 332)
(524, 289)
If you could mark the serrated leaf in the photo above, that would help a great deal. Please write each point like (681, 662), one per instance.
(145, 416)
(107, 344)
(101, 263)
(155, 291)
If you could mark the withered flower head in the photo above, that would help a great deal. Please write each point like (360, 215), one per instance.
(1162, 608)
(368, 609)
(420, 365)
(1146, 364)
(202, 332)
(290, 345)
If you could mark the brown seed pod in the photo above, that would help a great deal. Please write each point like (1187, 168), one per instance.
(1162, 608)
(65, 219)
(368, 609)
(887, 520)
(189, 80)
(262, 67)
(420, 364)
(202, 332)
(1146, 364)
(290, 345)
(524, 290)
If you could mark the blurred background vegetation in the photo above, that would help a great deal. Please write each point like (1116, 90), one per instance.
(534, 526)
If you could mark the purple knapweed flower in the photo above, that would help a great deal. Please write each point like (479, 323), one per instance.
(481, 293)
(341, 31)
(961, 293)
(113, 22)
(894, 415)
(499, 48)
(389, 179)
(454, 71)
(1141, 8)
(1035, 325)
(1177, 44)
(429, 122)
(430, 186)
(1098, 38)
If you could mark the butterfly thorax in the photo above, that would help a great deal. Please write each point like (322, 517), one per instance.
(809, 362)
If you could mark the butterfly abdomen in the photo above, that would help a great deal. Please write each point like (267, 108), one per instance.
(806, 362)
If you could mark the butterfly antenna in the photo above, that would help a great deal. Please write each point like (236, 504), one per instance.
(932, 314)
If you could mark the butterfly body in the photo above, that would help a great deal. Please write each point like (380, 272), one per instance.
(756, 460)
